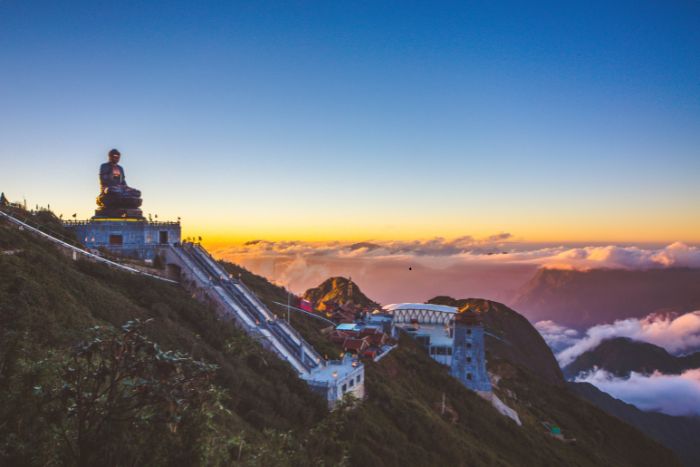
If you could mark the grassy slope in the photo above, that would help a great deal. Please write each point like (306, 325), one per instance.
(47, 301)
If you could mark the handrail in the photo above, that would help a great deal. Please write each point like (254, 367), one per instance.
(75, 249)
(305, 312)
(91, 221)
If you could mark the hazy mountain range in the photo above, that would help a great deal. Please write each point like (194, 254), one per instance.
(581, 299)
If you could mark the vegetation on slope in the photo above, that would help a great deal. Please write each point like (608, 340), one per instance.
(49, 303)
(403, 423)
(265, 414)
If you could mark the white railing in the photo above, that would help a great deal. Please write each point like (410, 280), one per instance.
(80, 251)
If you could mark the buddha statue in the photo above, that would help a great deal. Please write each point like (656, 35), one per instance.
(116, 198)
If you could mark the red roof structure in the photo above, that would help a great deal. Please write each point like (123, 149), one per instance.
(355, 345)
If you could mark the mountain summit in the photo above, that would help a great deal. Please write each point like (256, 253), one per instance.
(340, 291)
(621, 355)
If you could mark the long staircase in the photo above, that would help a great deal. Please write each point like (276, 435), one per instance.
(333, 379)
(247, 309)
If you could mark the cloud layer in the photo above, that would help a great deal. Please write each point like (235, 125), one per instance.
(670, 394)
(631, 257)
(499, 248)
(677, 334)
(557, 337)
(492, 267)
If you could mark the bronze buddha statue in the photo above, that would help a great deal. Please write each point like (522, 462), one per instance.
(116, 198)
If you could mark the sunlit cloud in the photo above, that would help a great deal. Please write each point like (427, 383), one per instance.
(491, 267)
(499, 248)
(674, 255)
(677, 334)
(558, 337)
(670, 394)
(390, 271)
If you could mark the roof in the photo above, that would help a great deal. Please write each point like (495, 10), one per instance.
(419, 306)
(377, 339)
(354, 344)
(333, 371)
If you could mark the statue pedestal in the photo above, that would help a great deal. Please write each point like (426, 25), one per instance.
(125, 237)
(118, 213)
(119, 204)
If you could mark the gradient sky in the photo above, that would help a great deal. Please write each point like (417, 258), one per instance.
(554, 121)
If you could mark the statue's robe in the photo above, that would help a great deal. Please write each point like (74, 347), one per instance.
(111, 175)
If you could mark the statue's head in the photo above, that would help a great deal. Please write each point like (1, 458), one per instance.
(114, 156)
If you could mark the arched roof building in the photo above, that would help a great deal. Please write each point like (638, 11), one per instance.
(423, 313)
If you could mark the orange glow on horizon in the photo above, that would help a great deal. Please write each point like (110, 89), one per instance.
(651, 235)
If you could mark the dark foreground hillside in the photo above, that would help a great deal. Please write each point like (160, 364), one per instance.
(254, 410)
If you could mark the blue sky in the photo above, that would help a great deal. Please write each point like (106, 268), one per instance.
(323, 120)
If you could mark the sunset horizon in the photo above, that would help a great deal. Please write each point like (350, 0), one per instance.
(350, 234)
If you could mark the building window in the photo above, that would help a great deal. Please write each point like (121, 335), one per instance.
(469, 359)
(163, 237)
(449, 351)
(345, 388)
(359, 378)
(469, 345)
(352, 382)
(469, 332)
(116, 239)
(469, 376)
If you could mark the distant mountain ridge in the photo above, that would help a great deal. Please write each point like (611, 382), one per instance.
(680, 434)
(622, 355)
(581, 299)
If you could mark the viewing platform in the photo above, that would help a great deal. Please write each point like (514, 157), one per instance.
(127, 237)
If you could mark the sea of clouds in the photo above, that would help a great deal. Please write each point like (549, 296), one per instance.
(670, 394)
(678, 334)
(493, 267)
(499, 248)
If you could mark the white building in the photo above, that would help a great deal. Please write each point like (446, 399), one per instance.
(431, 325)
